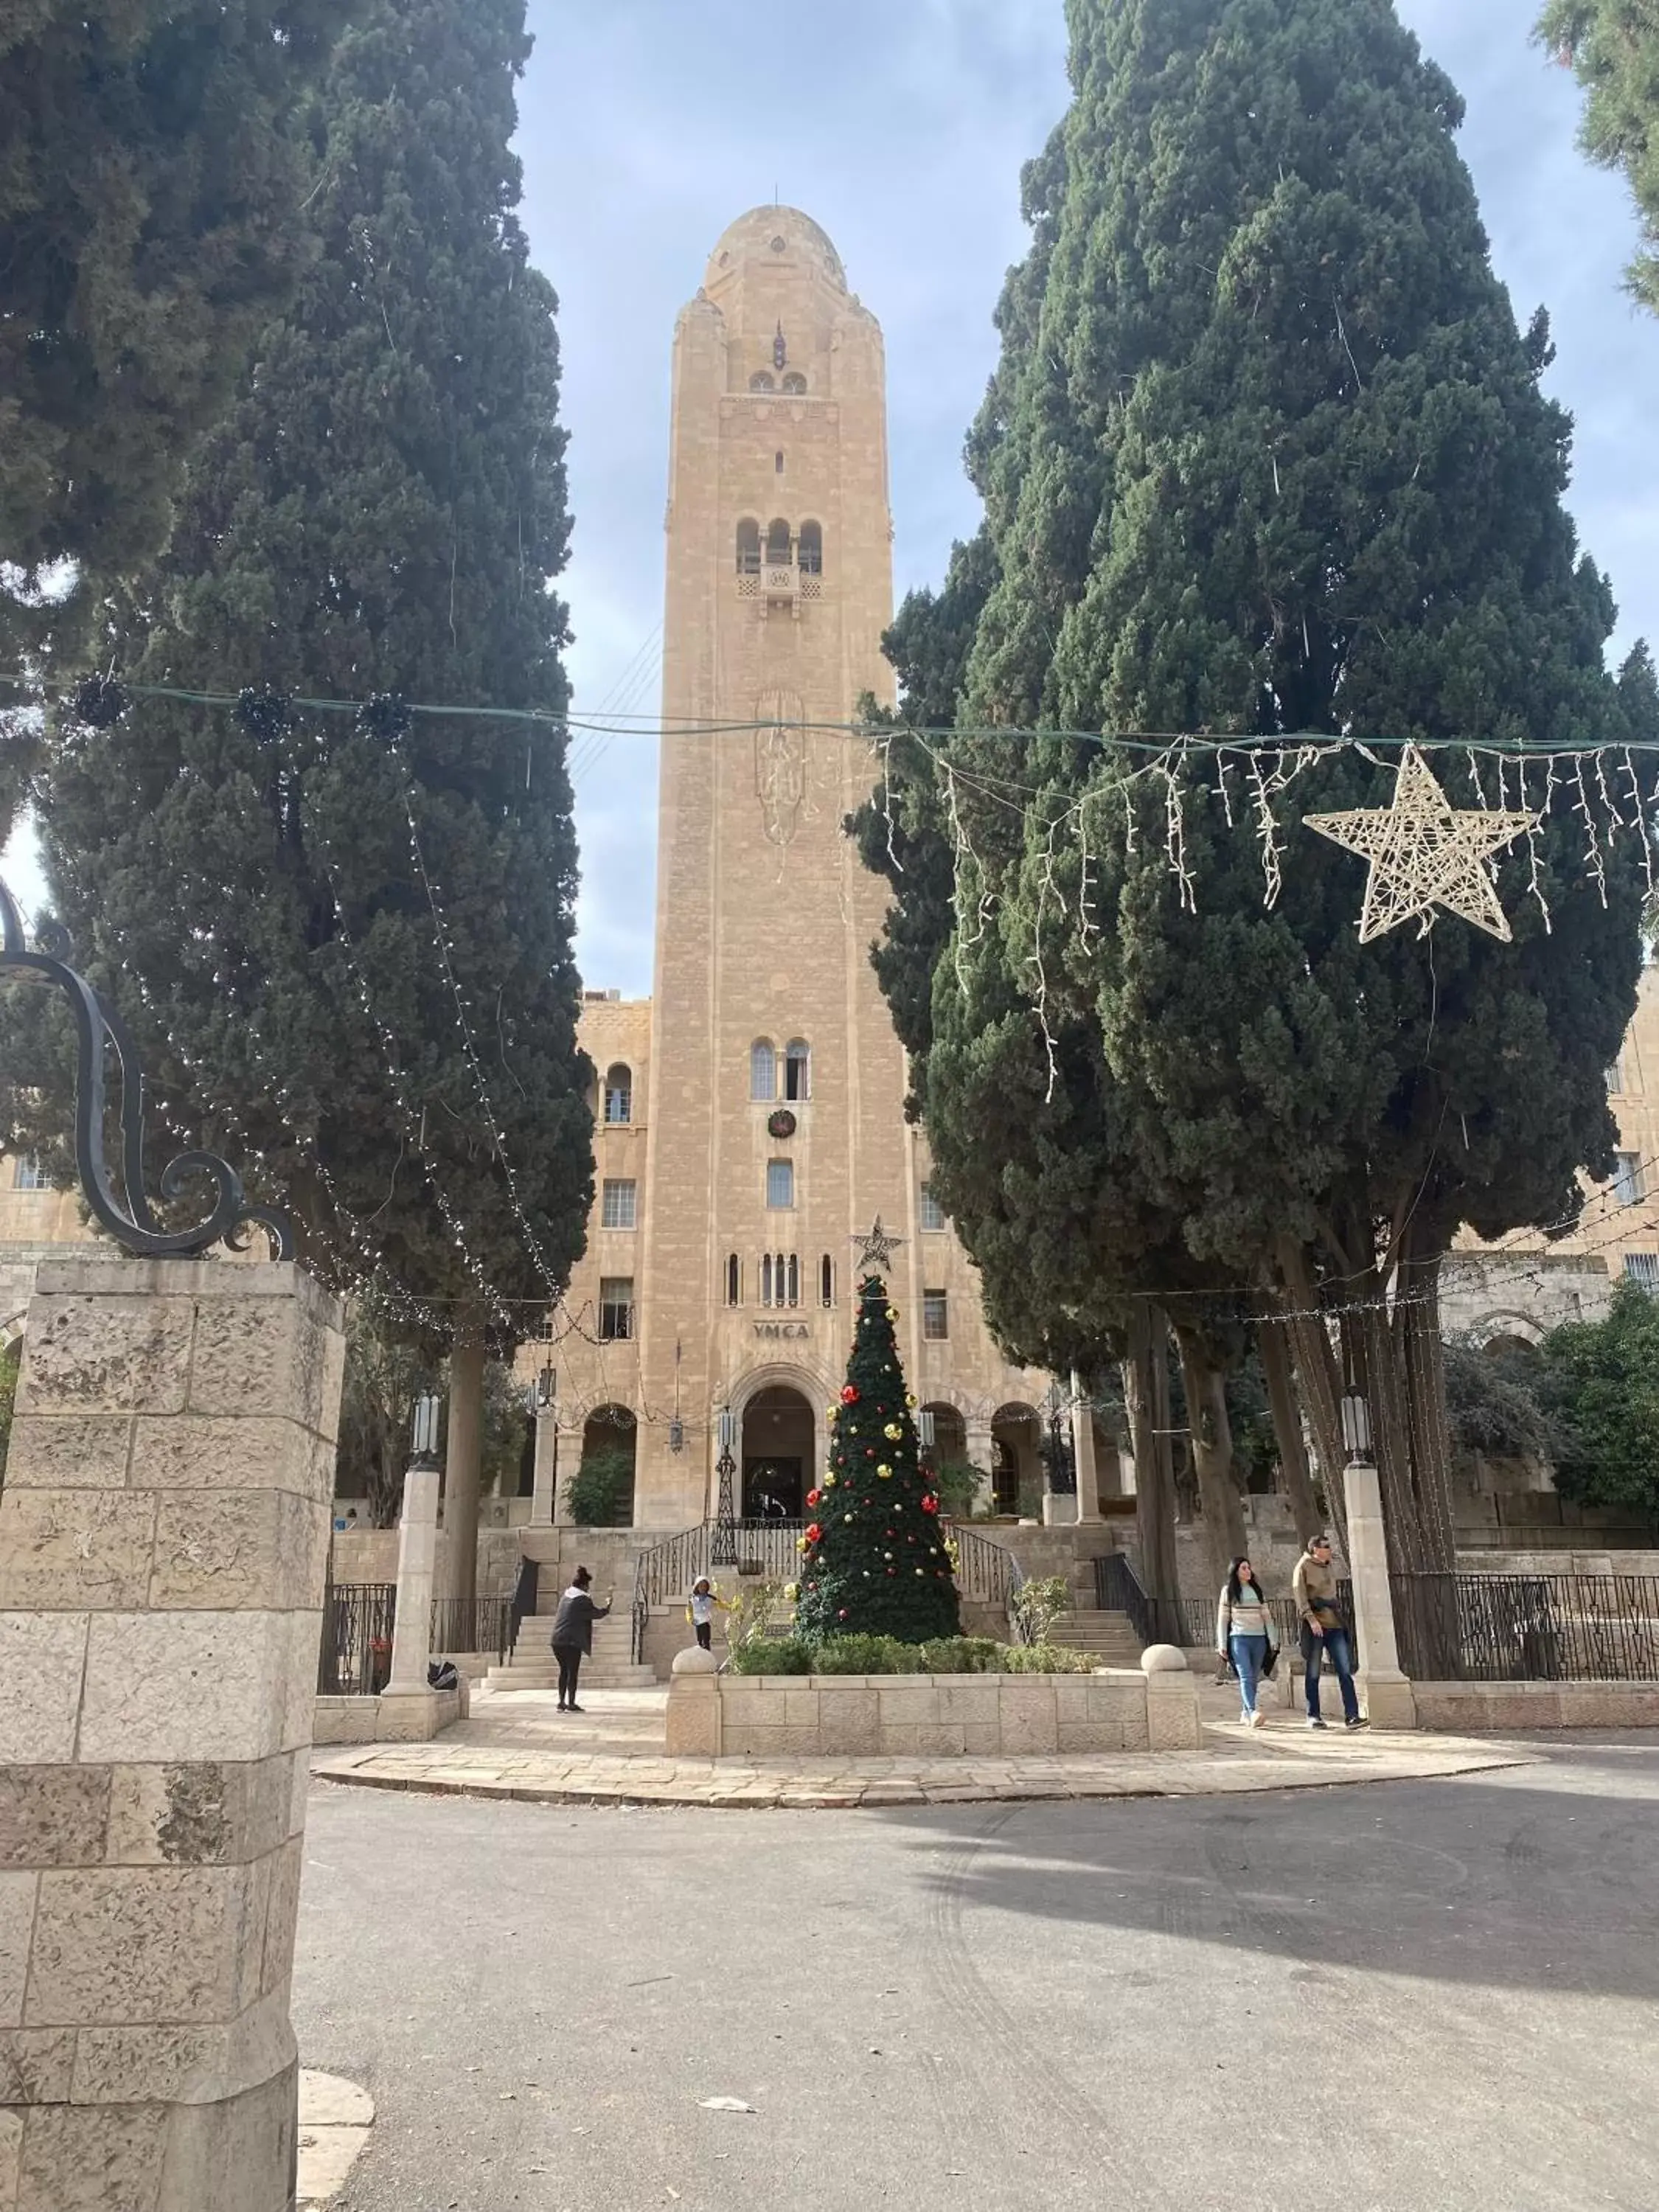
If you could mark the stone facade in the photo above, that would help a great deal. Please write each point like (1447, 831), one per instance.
(747, 1169)
(163, 1536)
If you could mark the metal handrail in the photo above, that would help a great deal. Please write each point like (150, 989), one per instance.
(675, 1564)
(1520, 1628)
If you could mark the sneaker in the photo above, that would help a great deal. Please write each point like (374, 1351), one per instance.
(1314, 1721)
(576, 1709)
(1258, 1719)
(1357, 1722)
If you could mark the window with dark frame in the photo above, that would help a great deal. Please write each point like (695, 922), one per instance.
(935, 1317)
(615, 1309)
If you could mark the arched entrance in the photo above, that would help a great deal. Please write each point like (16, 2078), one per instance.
(778, 1448)
(1016, 1467)
(609, 1455)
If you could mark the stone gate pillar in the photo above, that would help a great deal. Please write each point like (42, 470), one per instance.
(1385, 1691)
(163, 1546)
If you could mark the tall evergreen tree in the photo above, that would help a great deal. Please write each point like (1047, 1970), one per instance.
(384, 1018)
(1265, 455)
(1613, 47)
(873, 1561)
(149, 227)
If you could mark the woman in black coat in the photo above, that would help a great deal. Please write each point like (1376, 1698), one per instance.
(573, 1634)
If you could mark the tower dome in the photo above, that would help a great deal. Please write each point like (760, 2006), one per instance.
(768, 234)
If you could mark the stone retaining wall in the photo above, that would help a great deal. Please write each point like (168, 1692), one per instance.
(388, 1719)
(1459, 1707)
(934, 1716)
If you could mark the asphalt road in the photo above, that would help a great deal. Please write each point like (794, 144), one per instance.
(1405, 1997)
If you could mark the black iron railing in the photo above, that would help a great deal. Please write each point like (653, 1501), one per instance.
(988, 1574)
(355, 1658)
(667, 1570)
(524, 1599)
(1528, 1628)
(471, 1623)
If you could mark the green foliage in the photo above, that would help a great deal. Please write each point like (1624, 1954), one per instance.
(504, 1430)
(961, 1488)
(1603, 1381)
(600, 1493)
(893, 1654)
(1613, 45)
(874, 1558)
(751, 1611)
(384, 1376)
(10, 1359)
(1497, 1396)
(1265, 453)
(762, 1655)
(149, 230)
(381, 510)
(1036, 1606)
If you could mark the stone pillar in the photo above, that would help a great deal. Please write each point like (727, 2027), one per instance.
(163, 1546)
(977, 1443)
(543, 1501)
(1083, 1453)
(1385, 1693)
(417, 1561)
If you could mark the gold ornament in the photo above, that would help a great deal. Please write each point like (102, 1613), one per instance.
(883, 1471)
(1423, 854)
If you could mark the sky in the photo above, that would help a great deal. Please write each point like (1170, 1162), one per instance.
(648, 125)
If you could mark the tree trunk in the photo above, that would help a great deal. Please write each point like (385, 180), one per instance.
(1417, 1329)
(1319, 1381)
(1274, 1343)
(1154, 1521)
(466, 1367)
(1212, 1454)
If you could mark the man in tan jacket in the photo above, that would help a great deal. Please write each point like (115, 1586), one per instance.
(1323, 1630)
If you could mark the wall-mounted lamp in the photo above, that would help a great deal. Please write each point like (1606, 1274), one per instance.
(1356, 1427)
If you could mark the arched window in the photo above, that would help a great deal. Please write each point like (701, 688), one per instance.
(762, 381)
(794, 381)
(766, 1279)
(826, 1281)
(792, 1296)
(619, 1093)
(733, 1280)
(811, 549)
(779, 1279)
(798, 1070)
(763, 1070)
(777, 540)
(749, 547)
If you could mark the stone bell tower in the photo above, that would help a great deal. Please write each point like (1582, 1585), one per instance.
(775, 1124)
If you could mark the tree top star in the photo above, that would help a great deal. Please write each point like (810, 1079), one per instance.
(1423, 854)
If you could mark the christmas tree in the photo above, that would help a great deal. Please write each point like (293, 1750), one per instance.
(873, 1560)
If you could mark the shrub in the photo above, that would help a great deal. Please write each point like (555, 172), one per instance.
(1041, 1659)
(1036, 1606)
(600, 1493)
(959, 1483)
(779, 1655)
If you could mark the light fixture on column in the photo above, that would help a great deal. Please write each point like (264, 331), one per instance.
(925, 1430)
(724, 1551)
(676, 1427)
(424, 1430)
(1356, 1427)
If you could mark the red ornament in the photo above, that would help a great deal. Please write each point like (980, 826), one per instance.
(841, 1615)
(850, 1395)
(928, 1504)
(813, 1532)
(812, 1497)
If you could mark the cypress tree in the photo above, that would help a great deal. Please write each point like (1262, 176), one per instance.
(1612, 46)
(873, 1561)
(1266, 454)
(149, 230)
(379, 1020)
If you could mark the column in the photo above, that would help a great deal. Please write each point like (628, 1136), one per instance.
(1385, 1691)
(544, 1503)
(1083, 1453)
(978, 1444)
(417, 1561)
(163, 1545)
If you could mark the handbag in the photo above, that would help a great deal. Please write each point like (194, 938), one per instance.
(1269, 1661)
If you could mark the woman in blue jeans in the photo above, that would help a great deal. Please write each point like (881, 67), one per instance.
(1244, 1634)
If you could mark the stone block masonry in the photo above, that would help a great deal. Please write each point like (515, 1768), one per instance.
(163, 1545)
(771, 1716)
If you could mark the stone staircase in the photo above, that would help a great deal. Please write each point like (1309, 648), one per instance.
(1106, 1636)
(531, 1664)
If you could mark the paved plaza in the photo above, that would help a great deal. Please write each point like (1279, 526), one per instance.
(518, 1745)
(1429, 1995)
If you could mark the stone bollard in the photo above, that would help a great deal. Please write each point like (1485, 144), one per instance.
(163, 1549)
(694, 1704)
(1172, 1713)
(1385, 1693)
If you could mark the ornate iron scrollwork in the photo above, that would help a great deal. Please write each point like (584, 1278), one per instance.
(97, 1027)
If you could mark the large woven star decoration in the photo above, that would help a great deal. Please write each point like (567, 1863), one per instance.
(1425, 853)
(877, 1247)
